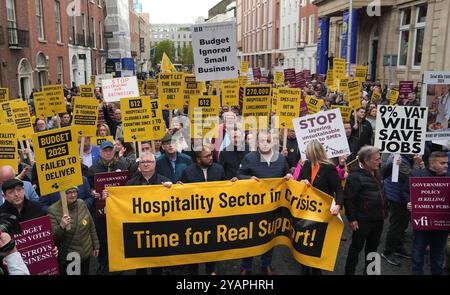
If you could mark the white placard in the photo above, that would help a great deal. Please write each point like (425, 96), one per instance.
(214, 47)
(395, 168)
(326, 127)
(250, 77)
(100, 78)
(401, 129)
(436, 78)
(115, 89)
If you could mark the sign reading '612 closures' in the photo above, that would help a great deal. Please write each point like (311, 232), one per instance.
(22, 119)
(85, 115)
(170, 90)
(288, 106)
(204, 116)
(137, 119)
(8, 145)
(256, 107)
(55, 102)
(57, 160)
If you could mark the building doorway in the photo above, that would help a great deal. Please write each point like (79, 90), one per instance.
(75, 70)
(373, 54)
(25, 78)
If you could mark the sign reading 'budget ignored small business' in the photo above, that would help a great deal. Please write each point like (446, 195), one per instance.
(214, 47)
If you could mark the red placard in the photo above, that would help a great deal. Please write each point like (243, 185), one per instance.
(35, 244)
(104, 180)
(430, 200)
(405, 87)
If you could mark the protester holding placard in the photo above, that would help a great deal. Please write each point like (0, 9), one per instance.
(364, 206)
(353, 142)
(362, 128)
(435, 239)
(321, 173)
(82, 236)
(125, 150)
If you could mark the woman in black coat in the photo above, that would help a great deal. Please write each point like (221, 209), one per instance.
(321, 173)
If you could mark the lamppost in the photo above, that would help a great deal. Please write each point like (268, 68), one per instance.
(349, 36)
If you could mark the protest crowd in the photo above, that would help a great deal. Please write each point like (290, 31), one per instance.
(361, 182)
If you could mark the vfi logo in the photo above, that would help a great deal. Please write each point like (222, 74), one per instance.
(423, 221)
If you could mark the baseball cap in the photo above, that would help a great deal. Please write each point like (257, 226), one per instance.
(106, 144)
(11, 183)
(166, 139)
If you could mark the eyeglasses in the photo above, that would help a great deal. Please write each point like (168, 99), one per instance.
(73, 192)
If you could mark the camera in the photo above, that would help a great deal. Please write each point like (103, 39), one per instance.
(9, 224)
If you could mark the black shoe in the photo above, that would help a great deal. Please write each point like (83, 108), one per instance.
(403, 253)
(390, 258)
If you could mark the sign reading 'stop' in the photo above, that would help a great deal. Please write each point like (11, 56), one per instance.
(214, 47)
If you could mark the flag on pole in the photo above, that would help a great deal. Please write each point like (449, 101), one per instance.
(166, 64)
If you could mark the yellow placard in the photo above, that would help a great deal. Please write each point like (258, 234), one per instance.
(92, 80)
(330, 78)
(361, 74)
(171, 90)
(244, 66)
(274, 100)
(87, 91)
(204, 115)
(243, 81)
(136, 119)
(141, 86)
(85, 115)
(8, 146)
(151, 86)
(230, 92)
(393, 96)
(314, 104)
(338, 68)
(354, 93)
(54, 99)
(39, 105)
(376, 96)
(152, 226)
(191, 88)
(6, 115)
(343, 86)
(57, 159)
(158, 129)
(97, 140)
(288, 106)
(4, 95)
(346, 112)
(256, 106)
(22, 119)
(278, 78)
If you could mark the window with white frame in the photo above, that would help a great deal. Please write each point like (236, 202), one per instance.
(311, 29)
(303, 31)
(405, 22)
(60, 68)
(40, 20)
(58, 21)
(419, 32)
(288, 36)
(270, 10)
(94, 40)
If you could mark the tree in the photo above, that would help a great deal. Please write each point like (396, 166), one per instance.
(187, 56)
(166, 46)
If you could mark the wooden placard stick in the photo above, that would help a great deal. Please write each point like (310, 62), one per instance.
(65, 208)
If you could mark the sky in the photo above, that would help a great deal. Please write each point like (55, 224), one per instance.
(176, 11)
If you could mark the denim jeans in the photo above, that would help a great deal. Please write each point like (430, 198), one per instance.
(266, 260)
(437, 241)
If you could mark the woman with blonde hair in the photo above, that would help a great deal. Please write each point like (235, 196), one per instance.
(321, 173)
(103, 130)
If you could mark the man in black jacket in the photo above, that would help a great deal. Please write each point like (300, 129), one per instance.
(147, 176)
(264, 163)
(362, 129)
(203, 170)
(353, 142)
(364, 206)
(231, 157)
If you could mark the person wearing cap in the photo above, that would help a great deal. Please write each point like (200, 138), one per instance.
(106, 163)
(7, 173)
(15, 202)
(172, 163)
(82, 236)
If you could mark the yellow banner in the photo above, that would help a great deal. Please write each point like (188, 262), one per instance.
(171, 90)
(6, 115)
(191, 88)
(166, 64)
(204, 115)
(97, 140)
(87, 91)
(22, 119)
(57, 159)
(8, 146)
(230, 92)
(85, 115)
(4, 95)
(256, 106)
(338, 68)
(136, 112)
(288, 106)
(54, 99)
(39, 105)
(151, 86)
(346, 112)
(354, 95)
(314, 104)
(278, 78)
(244, 66)
(393, 96)
(153, 226)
